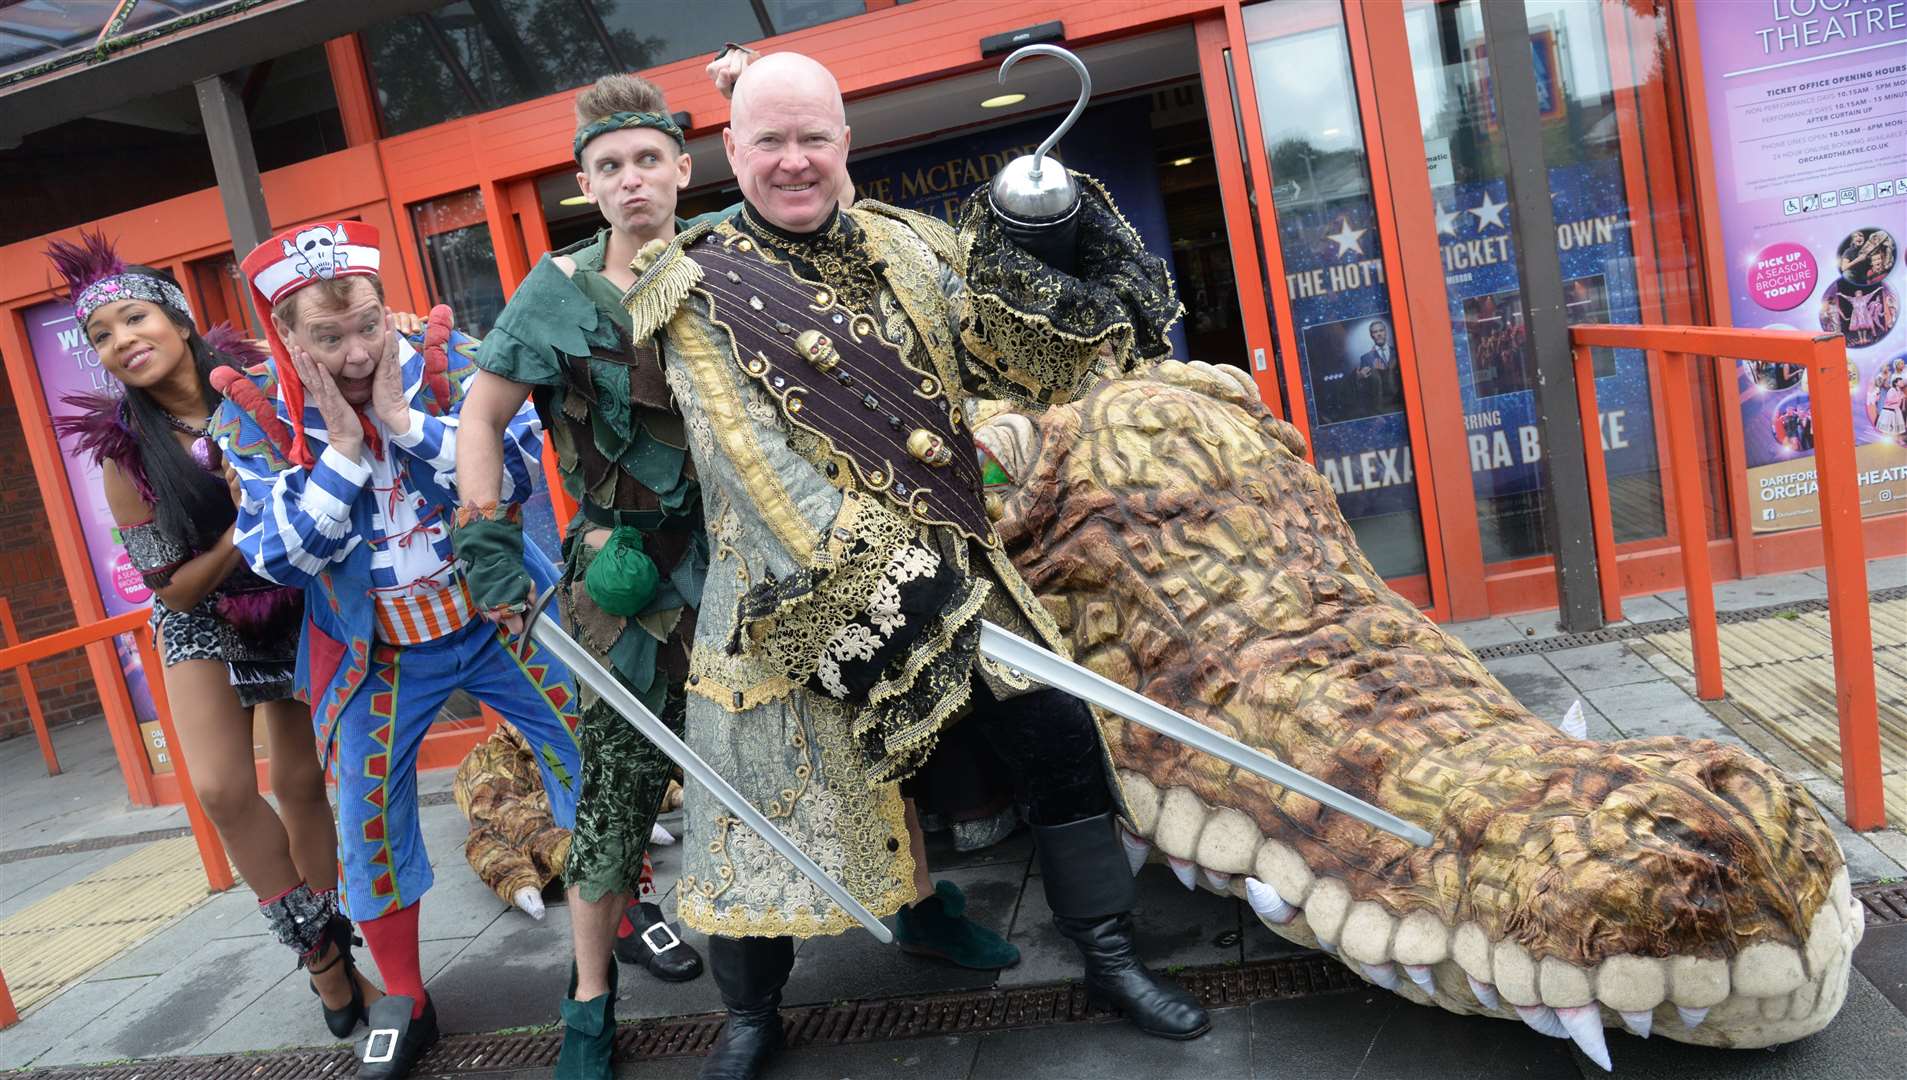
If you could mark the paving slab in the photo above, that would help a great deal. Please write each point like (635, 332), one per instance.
(1882, 958)
(56, 1018)
(1171, 928)
(1370, 1033)
(1535, 682)
(1865, 862)
(1867, 1040)
(1757, 592)
(1645, 609)
(1015, 849)
(513, 974)
(1118, 1050)
(1644, 709)
(1597, 667)
(30, 881)
(172, 1012)
(1483, 633)
(946, 1057)
(1891, 843)
(229, 915)
(828, 966)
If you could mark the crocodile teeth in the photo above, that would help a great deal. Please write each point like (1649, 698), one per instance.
(1639, 1023)
(1183, 870)
(1767, 969)
(1692, 1018)
(1563, 985)
(1542, 1020)
(1136, 850)
(1366, 936)
(1421, 975)
(1267, 904)
(1383, 975)
(1483, 992)
(1584, 1024)
(1218, 881)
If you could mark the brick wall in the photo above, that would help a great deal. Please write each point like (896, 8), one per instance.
(30, 580)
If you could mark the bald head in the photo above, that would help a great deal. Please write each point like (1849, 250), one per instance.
(782, 76)
(787, 140)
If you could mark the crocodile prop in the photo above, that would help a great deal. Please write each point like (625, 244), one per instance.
(1666, 885)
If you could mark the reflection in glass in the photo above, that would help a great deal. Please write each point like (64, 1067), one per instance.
(1464, 147)
(460, 262)
(474, 55)
(1335, 274)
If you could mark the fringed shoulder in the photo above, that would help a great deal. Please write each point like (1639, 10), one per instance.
(665, 274)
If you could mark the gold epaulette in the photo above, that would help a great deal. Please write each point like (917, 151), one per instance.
(664, 276)
(938, 235)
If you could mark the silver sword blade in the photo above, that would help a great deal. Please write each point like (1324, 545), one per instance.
(1054, 670)
(586, 669)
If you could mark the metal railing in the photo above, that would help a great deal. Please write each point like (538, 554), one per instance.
(218, 871)
(1824, 357)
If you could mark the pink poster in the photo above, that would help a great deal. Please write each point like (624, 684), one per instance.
(68, 365)
(1807, 109)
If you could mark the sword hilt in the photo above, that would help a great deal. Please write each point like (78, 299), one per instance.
(529, 621)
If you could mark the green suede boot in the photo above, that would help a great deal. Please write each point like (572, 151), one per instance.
(938, 927)
(589, 1033)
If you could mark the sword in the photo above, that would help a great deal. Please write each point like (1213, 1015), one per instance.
(547, 633)
(1046, 666)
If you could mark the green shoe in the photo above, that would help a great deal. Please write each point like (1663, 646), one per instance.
(938, 927)
(589, 1033)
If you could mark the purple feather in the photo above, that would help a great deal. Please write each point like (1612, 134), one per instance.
(100, 430)
(81, 264)
(263, 613)
(226, 338)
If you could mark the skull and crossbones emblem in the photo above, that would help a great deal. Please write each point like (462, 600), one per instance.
(319, 252)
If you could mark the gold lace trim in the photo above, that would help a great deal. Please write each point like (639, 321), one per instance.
(707, 363)
(849, 837)
(950, 689)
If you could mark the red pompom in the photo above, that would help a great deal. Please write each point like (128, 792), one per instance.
(436, 355)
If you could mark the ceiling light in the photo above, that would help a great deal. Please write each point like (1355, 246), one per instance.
(1328, 132)
(574, 200)
(1002, 101)
(1184, 160)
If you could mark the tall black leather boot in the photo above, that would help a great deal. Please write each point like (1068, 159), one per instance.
(1090, 888)
(750, 973)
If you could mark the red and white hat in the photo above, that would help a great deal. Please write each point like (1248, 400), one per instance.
(293, 259)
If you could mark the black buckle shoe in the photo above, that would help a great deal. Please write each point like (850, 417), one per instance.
(654, 944)
(396, 1041)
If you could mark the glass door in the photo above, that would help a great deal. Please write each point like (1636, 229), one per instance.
(1337, 277)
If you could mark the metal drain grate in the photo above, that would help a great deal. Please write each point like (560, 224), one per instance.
(969, 1012)
(1885, 904)
(1663, 626)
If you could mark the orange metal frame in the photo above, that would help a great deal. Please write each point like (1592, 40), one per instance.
(31, 693)
(1851, 632)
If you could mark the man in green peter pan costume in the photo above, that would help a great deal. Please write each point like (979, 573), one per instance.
(635, 557)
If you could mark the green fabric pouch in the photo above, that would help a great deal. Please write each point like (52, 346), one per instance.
(622, 578)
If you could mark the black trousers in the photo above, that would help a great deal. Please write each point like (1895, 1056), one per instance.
(1049, 745)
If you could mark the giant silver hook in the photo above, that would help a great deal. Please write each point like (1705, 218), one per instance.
(1085, 92)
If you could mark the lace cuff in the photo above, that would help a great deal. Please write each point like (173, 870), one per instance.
(154, 554)
(836, 626)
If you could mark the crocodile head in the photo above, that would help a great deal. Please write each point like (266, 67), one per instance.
(1666, 885)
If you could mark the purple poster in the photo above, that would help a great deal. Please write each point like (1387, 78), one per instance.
(68, 365)
(1807, 108)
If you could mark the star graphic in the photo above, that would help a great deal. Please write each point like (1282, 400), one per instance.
(1349, 241)
(1446, 222)
(1489, 212)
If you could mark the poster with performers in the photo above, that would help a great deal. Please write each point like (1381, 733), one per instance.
(68, 365)
(1353, 386)
(1807, 105)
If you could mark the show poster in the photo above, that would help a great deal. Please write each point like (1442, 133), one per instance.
(1807, 104)
(68, 365)
(1111, 142)
(1353, 385)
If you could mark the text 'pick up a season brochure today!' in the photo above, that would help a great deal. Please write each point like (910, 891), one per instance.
(1807, 105)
